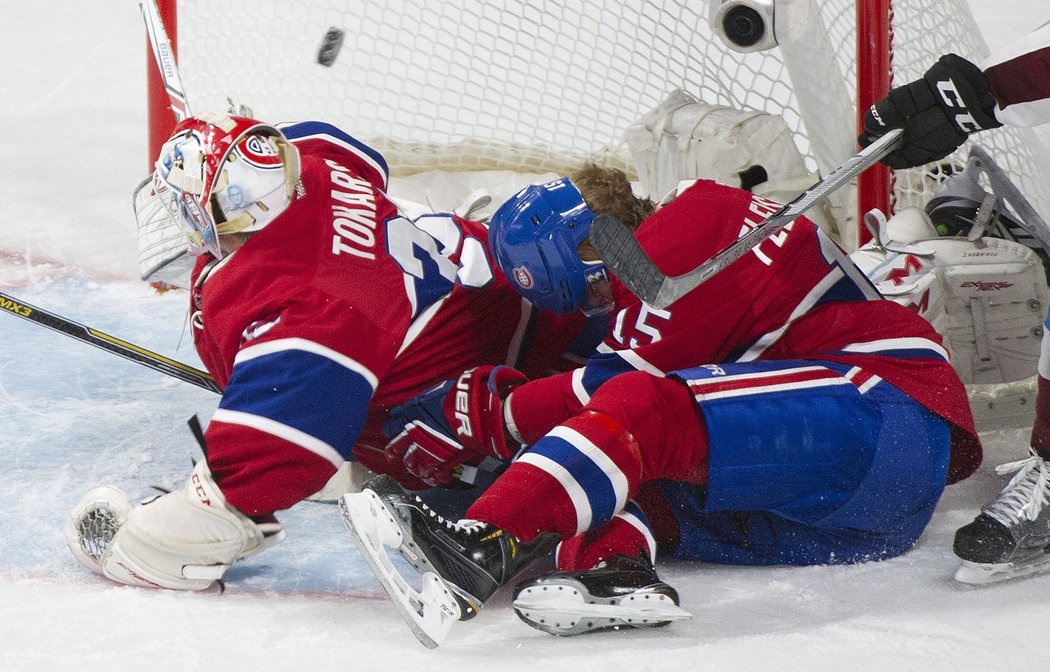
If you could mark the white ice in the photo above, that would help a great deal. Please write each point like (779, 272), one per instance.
(74, 145)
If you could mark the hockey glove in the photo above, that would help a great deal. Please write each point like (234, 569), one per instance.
(937, 112)
(458, 422)
(183, 540)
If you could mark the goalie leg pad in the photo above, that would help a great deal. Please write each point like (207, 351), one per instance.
(183, 540)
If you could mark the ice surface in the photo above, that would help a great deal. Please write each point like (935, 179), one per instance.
(72, 416)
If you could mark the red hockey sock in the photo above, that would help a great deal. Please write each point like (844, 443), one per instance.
(550, 487)
(580, 475)
(623, 535)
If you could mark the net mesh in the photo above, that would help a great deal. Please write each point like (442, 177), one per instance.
(542, 85)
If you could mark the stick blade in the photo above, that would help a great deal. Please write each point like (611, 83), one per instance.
(625, 258)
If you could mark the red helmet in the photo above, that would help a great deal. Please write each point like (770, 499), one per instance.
(225, 174)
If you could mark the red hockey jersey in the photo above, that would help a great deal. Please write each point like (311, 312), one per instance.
(795, 296)
(338, 310)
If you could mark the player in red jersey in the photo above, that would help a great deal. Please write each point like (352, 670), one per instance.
(317, 306)
(781, 413)
(938, 112)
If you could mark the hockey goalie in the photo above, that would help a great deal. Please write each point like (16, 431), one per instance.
(977, 270)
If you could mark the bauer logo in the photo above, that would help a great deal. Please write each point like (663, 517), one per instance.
(258, 151)
(523, 277)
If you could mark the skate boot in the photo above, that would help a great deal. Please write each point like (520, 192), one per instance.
(1011, 536)
(461, 563)
(621, 592)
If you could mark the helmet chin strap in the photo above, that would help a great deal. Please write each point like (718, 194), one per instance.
(237, 224)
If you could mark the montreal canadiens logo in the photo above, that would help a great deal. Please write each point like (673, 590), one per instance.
(523, 277)
(258, 152)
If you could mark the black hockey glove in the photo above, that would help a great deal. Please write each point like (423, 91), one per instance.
(937, 112)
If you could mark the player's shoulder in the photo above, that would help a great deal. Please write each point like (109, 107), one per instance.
(327, 141)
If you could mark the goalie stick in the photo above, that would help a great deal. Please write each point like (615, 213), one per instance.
(626, 259)
(980, 161)
(139, 355)
(165, 58)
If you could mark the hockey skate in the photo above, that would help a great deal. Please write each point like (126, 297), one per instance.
(621, 592)
(1011, 536)
(461, 563)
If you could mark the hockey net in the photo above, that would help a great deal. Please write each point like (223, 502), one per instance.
(536, 86)
(541, 86)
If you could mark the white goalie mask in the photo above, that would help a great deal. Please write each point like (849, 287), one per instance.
(222, 174)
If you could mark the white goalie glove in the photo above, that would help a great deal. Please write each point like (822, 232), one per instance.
(183, 540)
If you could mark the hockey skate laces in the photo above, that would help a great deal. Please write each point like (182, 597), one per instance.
(1026, 493)
(467, 525)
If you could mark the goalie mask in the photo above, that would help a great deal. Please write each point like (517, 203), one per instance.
(534, 237)
(224, 174)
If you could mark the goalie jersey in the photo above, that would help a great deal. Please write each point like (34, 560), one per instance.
(797, 296)
(338, 310)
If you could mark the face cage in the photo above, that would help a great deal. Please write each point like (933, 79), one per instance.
(594, 303)
(200, 227)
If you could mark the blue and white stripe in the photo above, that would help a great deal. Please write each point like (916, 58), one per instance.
(310, 130)
(287, 387)
(593, 482)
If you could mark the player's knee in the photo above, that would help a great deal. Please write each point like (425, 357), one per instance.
(662, 416)
(635, 399)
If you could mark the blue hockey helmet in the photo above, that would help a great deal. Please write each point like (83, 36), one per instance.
(534, 237)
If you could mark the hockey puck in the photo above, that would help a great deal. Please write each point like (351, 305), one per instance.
(330, 45)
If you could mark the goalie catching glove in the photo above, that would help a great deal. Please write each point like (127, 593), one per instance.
(455, 423)
(937, 112)
(184, 540)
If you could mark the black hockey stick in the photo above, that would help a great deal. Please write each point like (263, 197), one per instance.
(137, 354)
(626, 259)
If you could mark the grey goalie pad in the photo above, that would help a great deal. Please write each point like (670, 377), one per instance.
(986, 297)
(685, 139)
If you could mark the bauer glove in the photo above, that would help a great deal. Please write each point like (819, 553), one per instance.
(455, 423)
(937, 112)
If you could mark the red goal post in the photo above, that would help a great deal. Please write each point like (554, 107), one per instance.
(542, 85)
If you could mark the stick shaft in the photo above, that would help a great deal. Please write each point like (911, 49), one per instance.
(116, 346)
(165, 58)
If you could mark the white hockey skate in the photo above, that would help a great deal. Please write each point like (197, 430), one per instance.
(1011, 536)
(621, 592)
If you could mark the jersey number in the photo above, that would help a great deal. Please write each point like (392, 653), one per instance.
(423, 249)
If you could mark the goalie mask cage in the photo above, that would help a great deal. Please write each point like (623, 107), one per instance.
(544, 85)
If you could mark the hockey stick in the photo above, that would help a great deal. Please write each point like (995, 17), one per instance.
(1029, 220)
(165, 57)
(137, 354)
(626, 259)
